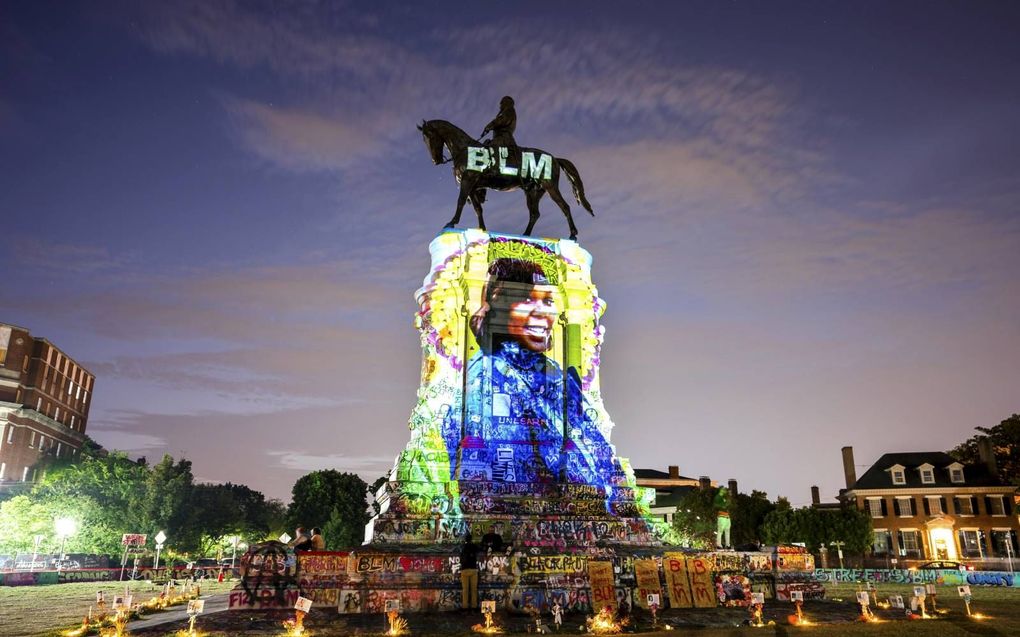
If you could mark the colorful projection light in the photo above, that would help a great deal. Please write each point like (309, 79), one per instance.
(510, 431)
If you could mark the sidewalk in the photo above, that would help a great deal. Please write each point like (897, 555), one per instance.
(213, 604)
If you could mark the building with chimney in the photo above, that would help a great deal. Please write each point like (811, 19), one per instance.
(927, 506)
(670, 487)
(45, 397)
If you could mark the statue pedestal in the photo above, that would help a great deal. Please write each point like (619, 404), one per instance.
(510, 431)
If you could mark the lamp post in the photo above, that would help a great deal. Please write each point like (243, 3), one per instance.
(839, 551)
(35, 551)
(233, 553)
(64, 527)
(160, 538)
(1009, 549)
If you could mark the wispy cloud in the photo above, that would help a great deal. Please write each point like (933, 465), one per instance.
(311, 462)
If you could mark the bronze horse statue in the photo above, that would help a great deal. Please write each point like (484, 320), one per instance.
(543, 178)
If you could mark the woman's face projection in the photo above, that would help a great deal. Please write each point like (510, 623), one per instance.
(531, 314)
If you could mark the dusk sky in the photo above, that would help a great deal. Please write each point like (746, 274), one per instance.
(807, 230)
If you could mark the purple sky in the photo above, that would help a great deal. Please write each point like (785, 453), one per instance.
(808, 229)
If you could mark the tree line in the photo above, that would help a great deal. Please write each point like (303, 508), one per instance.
(109, 494)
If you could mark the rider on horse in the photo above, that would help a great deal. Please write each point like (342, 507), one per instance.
(503, 125)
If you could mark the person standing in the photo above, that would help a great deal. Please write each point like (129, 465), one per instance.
(468, 574)
(301, 541)
(318, 543)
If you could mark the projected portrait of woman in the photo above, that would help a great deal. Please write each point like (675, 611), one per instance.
(517, 395)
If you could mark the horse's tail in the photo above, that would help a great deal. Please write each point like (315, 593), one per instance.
(575, 183)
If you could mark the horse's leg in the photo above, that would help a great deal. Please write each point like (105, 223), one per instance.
(476, 201)
(533, 196)
(461, 199)
(554, 193)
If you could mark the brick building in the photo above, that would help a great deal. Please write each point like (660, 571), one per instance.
(44, 405)
(670, 487)
(927, 506)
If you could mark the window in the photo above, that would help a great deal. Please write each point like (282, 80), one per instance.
(1004, 543)
(72, 422)
(898, 477)
(927, 476)
(10, 435)
(24, 475)
(964, 505)
(970, 542)
(956, 475)
(38, 405)
(56, 416)
(995, 505)
(59, 446)
(934, 505)
(31, 441)
(24, 363)
(906, 507)
(875, 507)
(17, 398)
(3, 470)
(910, 544)
(882, 543)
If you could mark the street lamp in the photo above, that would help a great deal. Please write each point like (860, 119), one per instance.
(64, 527)
(233, 553)
(839, 551)
(35, 551)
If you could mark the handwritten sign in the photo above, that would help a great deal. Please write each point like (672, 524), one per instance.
(603, 586)
(196, 607)
(646, 574)
(678, 584)
(132, 539)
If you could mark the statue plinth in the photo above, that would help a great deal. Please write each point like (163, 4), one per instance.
(510, 430)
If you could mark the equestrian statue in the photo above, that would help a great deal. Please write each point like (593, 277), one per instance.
(500, 164)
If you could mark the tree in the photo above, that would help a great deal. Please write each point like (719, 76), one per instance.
(1005, 439)
(747, 516)
(816, 527)
(695, 518)
(333, 501)
(167, 504)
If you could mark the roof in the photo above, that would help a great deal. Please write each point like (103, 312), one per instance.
(671, 498)
(655, 474)
(877, 477)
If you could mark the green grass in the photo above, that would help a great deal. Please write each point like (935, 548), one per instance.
(26, 611)
(33, 611)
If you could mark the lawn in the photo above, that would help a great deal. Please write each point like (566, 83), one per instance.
(26, 611)
(32, 611)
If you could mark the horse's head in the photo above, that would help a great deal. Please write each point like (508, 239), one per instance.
(433, 141)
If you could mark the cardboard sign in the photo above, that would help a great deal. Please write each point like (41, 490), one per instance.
(863, 598)
(303, 604)
(758, 598)
(919, 592)
(489, 606)
(196, 606)
(603, 585)
(796, 596)
(896, 601)
(132, 539)
(646, 575)
(101, 597)
(392, 605)
(652, 599)
(963, 590)
(677, 583)
(285, 538)
(122, 602)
